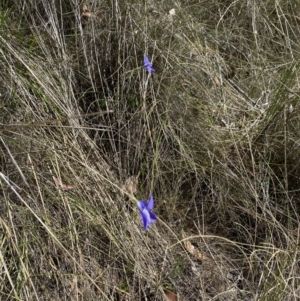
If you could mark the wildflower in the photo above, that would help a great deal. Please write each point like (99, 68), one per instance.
(147, 215)
(147, 65)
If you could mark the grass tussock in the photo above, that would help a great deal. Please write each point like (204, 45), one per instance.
(85, 132)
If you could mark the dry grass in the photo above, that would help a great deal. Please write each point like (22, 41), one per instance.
(85, 132)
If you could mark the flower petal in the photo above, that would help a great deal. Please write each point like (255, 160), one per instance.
(153, 217)
(142, 205)
(151, 203)
(145, 218)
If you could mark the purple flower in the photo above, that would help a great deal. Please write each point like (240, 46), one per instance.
(147, 65)
(147, 215)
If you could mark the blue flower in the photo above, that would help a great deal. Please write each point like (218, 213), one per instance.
(147, 65)
(147, 215)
